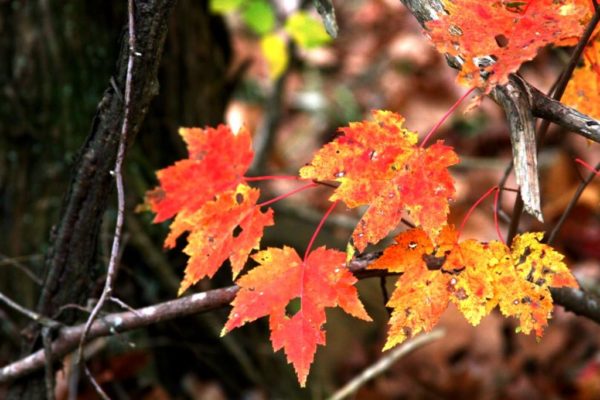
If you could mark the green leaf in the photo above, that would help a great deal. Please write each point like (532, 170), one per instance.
(259, 16)
(224, 6)
(307, 31)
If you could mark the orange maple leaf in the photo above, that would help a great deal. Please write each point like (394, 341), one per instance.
(471, 286)
(377, 164)
(583, 90)
(421, 294)
(475, 276)
(320, 281)
(493, 38)
(210, 200)
(212, 240)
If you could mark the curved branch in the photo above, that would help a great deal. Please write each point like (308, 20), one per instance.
(574, 300)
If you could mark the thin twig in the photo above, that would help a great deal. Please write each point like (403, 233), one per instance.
(95, 383)
(15, 262)
(49, 370)
(115, 251)
(40, 319)
(122, 304)
(571, 205)
(386, 362)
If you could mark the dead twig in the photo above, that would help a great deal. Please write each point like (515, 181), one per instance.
(32, 315)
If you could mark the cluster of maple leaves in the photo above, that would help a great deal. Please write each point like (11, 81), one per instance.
(376, 164)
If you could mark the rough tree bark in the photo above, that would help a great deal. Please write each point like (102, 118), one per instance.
(71, 268)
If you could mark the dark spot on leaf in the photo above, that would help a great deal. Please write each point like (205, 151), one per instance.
(433, 263)
(239, 198)
(236, 231)
(524, 256)
(501, 40)
(530, 275)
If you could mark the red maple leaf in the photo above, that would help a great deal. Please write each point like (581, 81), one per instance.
(218, 160)
(210, 200)
(377, 164)
(320, 281)
(493, 38)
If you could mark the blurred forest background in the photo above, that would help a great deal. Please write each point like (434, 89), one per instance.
(56, 61)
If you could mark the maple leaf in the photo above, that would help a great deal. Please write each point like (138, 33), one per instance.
(210, 200)
(524, 275)
(472, 285)
(434, 275)
(217, 162)
(493, 38)
(421, 294)
(583, 90)
(320, 281)
(474, 276)
(212, 240)
(377, 164)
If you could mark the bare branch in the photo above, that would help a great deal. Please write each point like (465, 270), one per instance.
(575, 300)
(561, 115)
(40, 319)
(68, 338)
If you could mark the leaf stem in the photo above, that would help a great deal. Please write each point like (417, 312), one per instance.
(468, 214)
(446, 115)
(286, 195)
(593, 170)
(496, 224)
(319, 227)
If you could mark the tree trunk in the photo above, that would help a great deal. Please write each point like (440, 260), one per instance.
(71, 268)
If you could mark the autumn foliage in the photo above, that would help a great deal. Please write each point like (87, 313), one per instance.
(493, 38)
(376, 164)
(474, 276)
